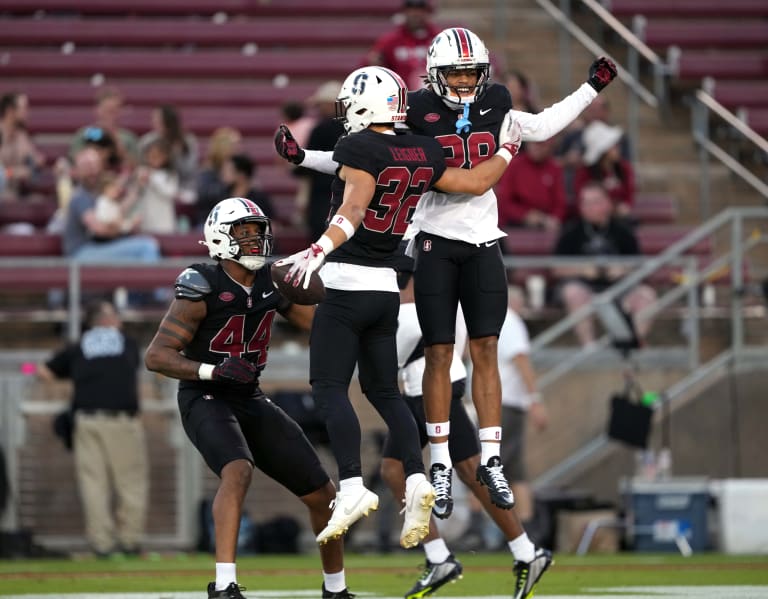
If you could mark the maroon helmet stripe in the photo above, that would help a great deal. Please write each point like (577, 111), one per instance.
(402, 87)
(463, 43)
(250, 206)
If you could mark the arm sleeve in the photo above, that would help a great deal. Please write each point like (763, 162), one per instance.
(320, 160)
(552, 120)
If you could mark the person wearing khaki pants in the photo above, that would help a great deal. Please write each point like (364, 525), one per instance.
(110, 455)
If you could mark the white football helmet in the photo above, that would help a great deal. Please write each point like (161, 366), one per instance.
(454, 49)
(218, 233)
(371, 95)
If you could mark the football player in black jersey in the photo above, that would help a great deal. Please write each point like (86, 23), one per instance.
(214, 339)
(380, 180)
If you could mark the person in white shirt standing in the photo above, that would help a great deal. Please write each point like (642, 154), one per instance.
(520, 402)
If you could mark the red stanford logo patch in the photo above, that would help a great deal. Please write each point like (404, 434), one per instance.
(226, 296)
(432, 117)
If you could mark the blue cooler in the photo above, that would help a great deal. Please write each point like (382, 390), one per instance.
(668, 515)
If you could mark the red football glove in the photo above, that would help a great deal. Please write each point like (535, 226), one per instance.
(235, 370)
(601, 73)
(287, 146)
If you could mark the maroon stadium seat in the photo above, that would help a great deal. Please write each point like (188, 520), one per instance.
(177, 64)
(689, 8)
(706, 34)
(696, 64)
(28, 246)
(36, 213)
(734, 94)
(654, 239)
(167, 32)
(201, 120)
(757, 119)
(528, 242)
(202, 7)
(655, 208)
(153, 93)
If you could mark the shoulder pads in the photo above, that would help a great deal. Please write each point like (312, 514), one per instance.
(191, 285)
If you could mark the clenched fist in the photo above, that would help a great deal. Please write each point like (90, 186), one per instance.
(287, 146)
(601, 73)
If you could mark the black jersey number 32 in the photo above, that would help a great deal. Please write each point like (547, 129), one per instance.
(392, 212)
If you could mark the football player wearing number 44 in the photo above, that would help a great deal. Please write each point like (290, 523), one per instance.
(380, 180)
(455, 243)
(214, 339)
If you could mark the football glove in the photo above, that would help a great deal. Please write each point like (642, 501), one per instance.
(287, 146)
(510, 134)
(304, 264)
(601, 73)
(235, 370)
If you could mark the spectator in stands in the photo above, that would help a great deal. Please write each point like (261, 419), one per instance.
(167, 125)
(296, 116)
(19, 158)
(531, 192)
(108, 110)
(314, 197)
(108, 441)
(224, 142)
(602, 162)
(522, 92)
(94, 232)
(154, 189)
(404, 49)
(238, 174)
(597, 234)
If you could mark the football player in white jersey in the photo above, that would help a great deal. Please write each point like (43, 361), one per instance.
(458, 260)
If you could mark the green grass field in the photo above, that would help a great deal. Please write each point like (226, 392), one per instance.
(485, 575)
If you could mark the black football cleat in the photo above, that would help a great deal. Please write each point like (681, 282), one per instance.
(527, 574)
(231, 592)
(345, 594)
(492, 476)
(435, 576)
(442, 479)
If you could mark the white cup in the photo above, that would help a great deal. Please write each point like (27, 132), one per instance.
(536, 287)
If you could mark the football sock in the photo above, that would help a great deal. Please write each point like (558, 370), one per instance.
(436, 551)
(490, 443)
(522, 548)
(439, 454)
(225, 575)
(335, 583)
(349, 483)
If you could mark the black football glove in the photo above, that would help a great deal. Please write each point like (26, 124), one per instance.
(601, 73)
(287, 146)
(235, 370)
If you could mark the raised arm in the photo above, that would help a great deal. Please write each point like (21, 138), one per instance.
(552, 120)
(316, 160)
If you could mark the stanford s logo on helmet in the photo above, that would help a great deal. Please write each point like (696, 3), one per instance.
(455, 49)
(218, 233)
(371, 95)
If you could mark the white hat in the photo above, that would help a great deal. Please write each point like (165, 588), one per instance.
(598, 138)
(327, 92)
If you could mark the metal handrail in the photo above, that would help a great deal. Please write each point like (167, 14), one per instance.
(730, 118)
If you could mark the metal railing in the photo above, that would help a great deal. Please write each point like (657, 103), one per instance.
(704, 109)
(737, 240)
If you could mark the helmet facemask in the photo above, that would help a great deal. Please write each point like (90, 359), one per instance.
(250, 251)
(456, 49)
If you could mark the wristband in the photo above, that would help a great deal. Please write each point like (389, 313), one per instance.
(343, 223)
(505, 154)
(205, 372)
(326, 244)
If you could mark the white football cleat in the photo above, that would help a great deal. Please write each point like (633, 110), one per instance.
(418, 509)
(348, 507)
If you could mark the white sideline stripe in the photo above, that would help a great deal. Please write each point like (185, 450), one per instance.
(668, 592)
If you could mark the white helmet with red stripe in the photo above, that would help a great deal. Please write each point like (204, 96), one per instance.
(371, 95)
(455, 49)
(251, 251)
